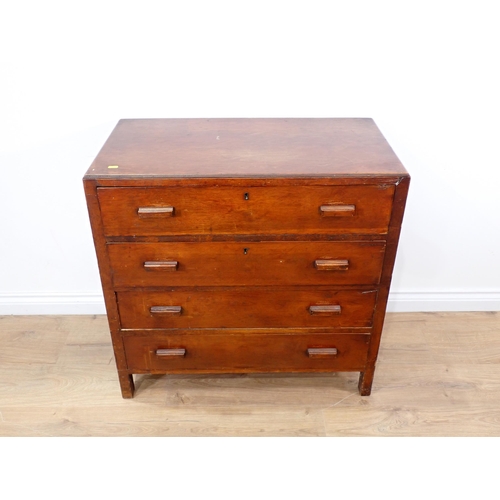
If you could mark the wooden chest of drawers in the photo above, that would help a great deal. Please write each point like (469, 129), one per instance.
(246, 245)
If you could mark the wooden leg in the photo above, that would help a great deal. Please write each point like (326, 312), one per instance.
(126, 384)
(365, 381)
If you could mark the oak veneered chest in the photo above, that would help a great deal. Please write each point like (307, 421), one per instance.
(246, 245)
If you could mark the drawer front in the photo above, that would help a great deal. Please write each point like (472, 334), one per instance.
(252, 210)
(246, 353)
(244, 264)
(246, 308)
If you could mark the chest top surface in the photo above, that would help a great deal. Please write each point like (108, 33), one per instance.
(246, 148)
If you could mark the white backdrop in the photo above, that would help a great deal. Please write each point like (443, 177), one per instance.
(427, 72)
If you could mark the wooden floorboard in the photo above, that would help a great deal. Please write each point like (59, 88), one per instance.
(438, 374)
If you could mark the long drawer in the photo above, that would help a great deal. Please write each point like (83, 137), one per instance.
(246, 353)
(253, 210)
(246, 264)
(246, 308)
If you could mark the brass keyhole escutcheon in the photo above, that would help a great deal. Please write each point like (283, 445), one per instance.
(245, 250)
(246, 196)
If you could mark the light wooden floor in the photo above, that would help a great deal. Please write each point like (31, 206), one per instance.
(438, 375)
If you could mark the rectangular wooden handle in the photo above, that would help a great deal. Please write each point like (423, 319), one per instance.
(155, 212)
(325, 310)
(331, 265)
(321, 352)
(337, 210)
(171, 352)
(164, 265)
(170, 310)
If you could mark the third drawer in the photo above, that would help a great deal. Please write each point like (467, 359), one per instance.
(246, 308)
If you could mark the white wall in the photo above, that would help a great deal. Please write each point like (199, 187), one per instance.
(427, 72)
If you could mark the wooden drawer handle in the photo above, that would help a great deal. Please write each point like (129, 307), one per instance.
(325, 310)
(165, 265)
(170, 310)
(331, 265)
(321, 352)
(155, 212)
(337, 210)
(171, 352)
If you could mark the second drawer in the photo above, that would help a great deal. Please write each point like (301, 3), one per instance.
(230, 263)
(246, 308)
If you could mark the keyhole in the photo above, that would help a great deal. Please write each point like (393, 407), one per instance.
(245, 251)
(247, 196)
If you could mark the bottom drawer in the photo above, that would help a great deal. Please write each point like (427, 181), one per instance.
(239, 353)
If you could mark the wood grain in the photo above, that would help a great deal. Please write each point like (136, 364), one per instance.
(226, 263)
(252, 203)
(39, 341)
(400, 196)
(245, 148)
(105, 271)
(239, 353)
(245, 210)
(237, 307)
(66, 386)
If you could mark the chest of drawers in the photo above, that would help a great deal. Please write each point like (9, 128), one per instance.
(246, 245)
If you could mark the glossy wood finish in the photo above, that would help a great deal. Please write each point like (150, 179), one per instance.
(227, 353)
(105, 270)
(237, 307)
(250, 263)
(234, 245)
(400, 196)
(322, 352)
(333, 264)
(170, 352)
(155, 212)
(250, 148)
(245, 210)
(337, 210)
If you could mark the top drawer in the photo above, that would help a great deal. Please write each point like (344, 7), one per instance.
(253, 210)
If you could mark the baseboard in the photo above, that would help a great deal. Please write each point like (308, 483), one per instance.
(92, 303)
(51, 303)
(443, 301)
